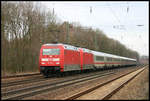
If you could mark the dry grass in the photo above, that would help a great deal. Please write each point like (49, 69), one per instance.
(137, 89)
(17, 73)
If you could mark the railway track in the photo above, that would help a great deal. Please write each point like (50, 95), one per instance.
(33, 90)
(25, 81)
(20, 75)
(38, 78)
(121, 86)
(30, 91)
(98, 90)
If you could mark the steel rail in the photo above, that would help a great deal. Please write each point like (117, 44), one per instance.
(96, 87)
(48, 87)
(19, 82)
(121, 86)
(19, 75)
(36, 87)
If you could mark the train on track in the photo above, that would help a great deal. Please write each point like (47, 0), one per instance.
(60, 58)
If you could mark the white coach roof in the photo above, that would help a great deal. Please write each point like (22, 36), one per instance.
(111, 55)
(66, 46)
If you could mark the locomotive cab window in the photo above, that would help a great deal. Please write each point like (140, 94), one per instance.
(51, 51)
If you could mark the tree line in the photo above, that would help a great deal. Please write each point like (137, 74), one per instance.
(25, 26)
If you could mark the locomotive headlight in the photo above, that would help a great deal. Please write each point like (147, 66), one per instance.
(44, 59)
(55, 59)
(57, 62)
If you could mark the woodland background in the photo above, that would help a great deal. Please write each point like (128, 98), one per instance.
(26, 26)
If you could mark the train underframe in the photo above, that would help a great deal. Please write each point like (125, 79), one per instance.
(47, 70)
(55, 70)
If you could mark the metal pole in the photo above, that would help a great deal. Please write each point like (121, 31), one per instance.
(95, 43)
(41, 40)
(67, 32)
(96, 32)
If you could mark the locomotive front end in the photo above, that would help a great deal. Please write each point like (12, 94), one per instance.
(50, 59)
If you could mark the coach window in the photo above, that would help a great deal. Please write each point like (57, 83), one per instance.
(106, 59)
(109, 59)
(99, 58)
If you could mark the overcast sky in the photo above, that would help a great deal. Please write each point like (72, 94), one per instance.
(118, 20)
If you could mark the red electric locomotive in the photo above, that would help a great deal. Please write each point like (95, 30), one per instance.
(87, 59)
(56, 58)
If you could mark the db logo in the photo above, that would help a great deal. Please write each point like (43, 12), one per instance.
(50, 63)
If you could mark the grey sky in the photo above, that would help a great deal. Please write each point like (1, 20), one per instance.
(118, 20)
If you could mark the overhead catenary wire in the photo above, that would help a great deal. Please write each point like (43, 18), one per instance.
(113, 13)
(116, 17)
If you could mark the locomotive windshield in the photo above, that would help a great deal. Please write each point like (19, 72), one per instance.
(51, 51)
